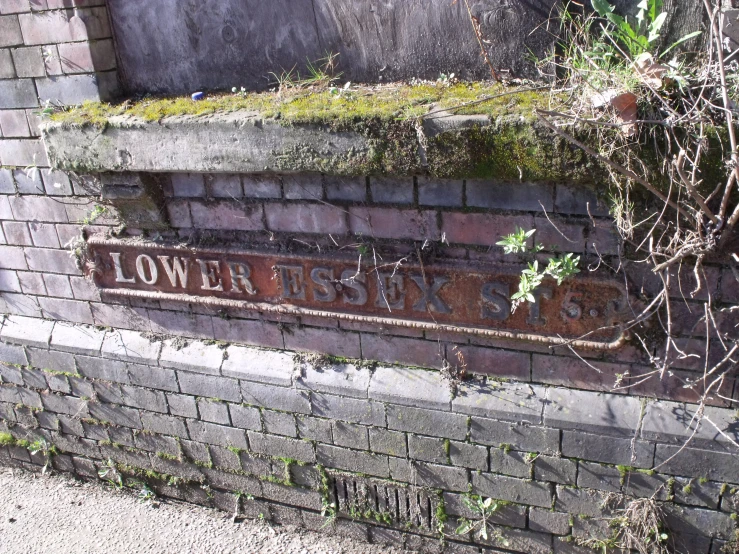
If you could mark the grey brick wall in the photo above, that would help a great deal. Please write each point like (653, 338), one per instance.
(285, 441)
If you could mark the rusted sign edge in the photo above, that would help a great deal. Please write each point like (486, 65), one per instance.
(287, 309)
(427, 326)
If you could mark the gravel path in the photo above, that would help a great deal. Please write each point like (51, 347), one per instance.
(42, 514)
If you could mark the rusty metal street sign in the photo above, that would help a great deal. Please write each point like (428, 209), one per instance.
(463, 298)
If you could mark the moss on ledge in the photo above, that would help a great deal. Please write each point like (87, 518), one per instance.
(462, 130)
(387, 103)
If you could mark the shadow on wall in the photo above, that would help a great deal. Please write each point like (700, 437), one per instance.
(176, 47)
(81, 63)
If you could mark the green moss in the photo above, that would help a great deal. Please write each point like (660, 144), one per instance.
(302, 106)
(165, 456)
(6, 439)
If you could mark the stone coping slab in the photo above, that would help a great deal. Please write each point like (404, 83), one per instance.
(376, 133)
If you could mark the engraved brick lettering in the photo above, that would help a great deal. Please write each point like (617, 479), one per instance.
(153, 272)
(535, 306)
(210, 271)
(292, 280)
(390, 291)
(430, 302)
(323, 277)
(241, 278)
(495, 303)
(175, 269)
(355, 289)
(119, 277)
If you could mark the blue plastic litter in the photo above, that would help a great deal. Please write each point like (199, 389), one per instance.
(198, 95)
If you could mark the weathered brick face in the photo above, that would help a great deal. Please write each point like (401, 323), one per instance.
(300, 441)
(282, 414)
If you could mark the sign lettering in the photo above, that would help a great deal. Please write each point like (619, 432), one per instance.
(466, 298)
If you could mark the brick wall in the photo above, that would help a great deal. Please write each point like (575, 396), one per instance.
(256, 431)
(57, 51)
(461, 221)
(215, 405)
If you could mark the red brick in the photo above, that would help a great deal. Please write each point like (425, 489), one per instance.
(14, 6)
(391, 190)
(7, 71)
(67, 310)
(34, 120)
(226, 215)
(552, 239)
(511, 344)
(603, 239)
(5, 211)
(174, 323)
(32, 283)
(119, 316)
(58, 285)
(64, 26)
(247, 331)
(389, 223)
(29, 62)
(10, 32)
(87, 57)
(729, 287)
(56, 4)
(23, 152)
(396, 350)
(84, 289)
(677, 385)
(381, 329)
(11, 257)
(38, 208)
(573, 372)
(68, 233)
(16, 232)
(303, 187)
(179, 214)
(483, 229)
(493, 362)
(305, 218)
(9, 281)
(315, 321)
(52, 62)
(14, 123)
(326, 341)
(51, 261)
(44, 235)
(681, 281)
(21, 304)
(188, 184)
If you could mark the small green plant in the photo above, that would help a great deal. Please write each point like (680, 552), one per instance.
(484, 509)
(109, 472)
(516, 242)
(6, 439)
(240, 92)
(40, 446)
(145, 494)
(639, 39)
(321, 73)
(94, 214)
(46, 110)
(559, 268)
